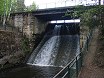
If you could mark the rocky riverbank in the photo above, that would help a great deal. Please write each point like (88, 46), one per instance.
(13, 48)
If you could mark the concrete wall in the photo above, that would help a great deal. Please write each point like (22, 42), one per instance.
(28, 24)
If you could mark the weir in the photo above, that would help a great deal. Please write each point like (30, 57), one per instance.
(57, 48)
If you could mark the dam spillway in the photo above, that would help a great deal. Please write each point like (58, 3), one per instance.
(56, 49)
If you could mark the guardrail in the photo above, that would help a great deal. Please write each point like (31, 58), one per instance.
(71, 70)
(65, 3)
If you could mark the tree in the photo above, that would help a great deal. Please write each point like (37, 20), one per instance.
(31, 7)
(18, 6)
(14, 6)
(1, 10)
(1, 7)
(10, 6)
(6, 5)
(90, 16)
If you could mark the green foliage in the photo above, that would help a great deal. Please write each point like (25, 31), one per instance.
(76, 12)
(1, 7)
(20, 6)
(89, 15)
(4, 6)
(89, 18)
(10, 6)
(31, 7)
(25, 45)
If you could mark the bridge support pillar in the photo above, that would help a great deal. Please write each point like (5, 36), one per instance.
(28, 24)
(40, 26)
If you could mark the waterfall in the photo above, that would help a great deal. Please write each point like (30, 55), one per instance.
(58, 50)
(48, 51)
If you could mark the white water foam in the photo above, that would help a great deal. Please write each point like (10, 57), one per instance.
(56, 51)
(46, 52)
(44, 65)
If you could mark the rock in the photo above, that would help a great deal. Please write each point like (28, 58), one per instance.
(11, 51)
(16, 58)
(4, 60)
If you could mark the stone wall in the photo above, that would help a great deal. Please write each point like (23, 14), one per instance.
(28, 23)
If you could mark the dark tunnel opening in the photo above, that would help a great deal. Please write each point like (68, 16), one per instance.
(66, 28)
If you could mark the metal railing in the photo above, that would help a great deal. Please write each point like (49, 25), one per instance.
(65, 3)
(71, 70)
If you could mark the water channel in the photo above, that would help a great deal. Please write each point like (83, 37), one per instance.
(51, 55)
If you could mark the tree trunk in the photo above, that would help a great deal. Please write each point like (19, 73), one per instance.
(4, 16)
(9, 10)
(4, 21)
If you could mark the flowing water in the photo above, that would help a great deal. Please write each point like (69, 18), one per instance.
(51, 55)
(58, 50)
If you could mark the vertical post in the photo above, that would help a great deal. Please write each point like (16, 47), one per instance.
(55, 4)
(46, 5)
(99, 2)
(76, 67)
(65, 3)
(68, 72)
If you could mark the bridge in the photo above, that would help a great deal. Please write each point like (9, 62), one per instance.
(36, 21)
(51, 13)
(61, 13)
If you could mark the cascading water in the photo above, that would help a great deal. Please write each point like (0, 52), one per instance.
(48, 52)
(57, 50)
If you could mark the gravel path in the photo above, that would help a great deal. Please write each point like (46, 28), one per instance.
(90, 69)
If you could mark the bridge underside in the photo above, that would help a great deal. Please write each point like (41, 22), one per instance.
(49, 17)
(74, 28)
(63, 13)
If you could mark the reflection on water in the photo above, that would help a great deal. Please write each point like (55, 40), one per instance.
(31, 72)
